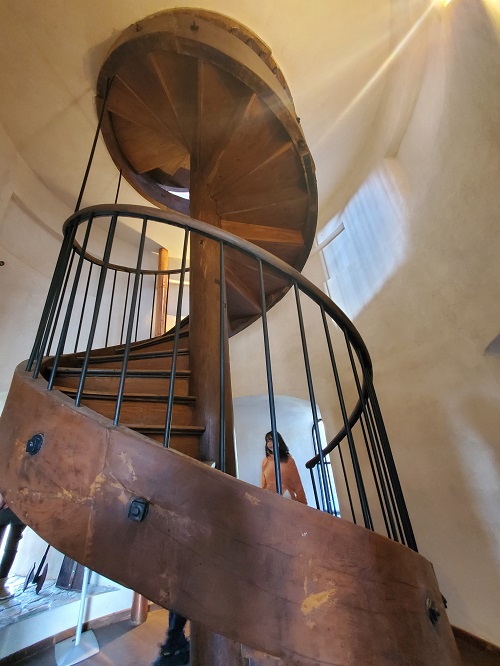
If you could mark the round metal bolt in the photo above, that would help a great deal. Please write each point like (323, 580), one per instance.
(34, 444)
(432, 611)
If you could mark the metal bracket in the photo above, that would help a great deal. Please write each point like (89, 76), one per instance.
(138, 509)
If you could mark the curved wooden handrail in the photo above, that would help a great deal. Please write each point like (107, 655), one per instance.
(209, 231)
(280, 266)
(124, 269)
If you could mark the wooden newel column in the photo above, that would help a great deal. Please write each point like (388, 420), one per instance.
(204, 333)
(208, 648)
(161, 294)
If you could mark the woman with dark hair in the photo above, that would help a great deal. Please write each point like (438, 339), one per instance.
(291, 485)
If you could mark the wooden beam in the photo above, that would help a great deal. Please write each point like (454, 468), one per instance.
(263, 570)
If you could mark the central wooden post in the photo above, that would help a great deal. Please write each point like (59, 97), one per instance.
(204, 334)
(208, 648)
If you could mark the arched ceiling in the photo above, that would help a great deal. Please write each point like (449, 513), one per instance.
(333, 56)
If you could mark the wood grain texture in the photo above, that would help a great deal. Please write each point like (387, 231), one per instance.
(270, 573)
(196, 97)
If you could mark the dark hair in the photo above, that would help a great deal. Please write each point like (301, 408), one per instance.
(283, 448)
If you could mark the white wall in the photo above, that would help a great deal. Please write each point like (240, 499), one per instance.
(31, 219)
(427, 326)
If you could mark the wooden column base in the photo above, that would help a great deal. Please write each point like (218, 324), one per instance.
(139, 611)
(210, 649)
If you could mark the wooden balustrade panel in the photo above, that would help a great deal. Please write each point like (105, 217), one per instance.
(270, 573)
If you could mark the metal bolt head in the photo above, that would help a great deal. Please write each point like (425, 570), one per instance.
(34, 444)
(432, 611)
(138, 509)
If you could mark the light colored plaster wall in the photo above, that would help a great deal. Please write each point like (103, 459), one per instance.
(428, 327)
(31, 219)
(30, 223)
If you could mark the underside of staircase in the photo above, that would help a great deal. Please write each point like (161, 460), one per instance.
(193, 101)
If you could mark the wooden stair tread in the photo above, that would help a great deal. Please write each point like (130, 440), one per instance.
(151, 342)
(174, 429)
(116, 372)
(214, 111)
(117, 356)
(141, 397)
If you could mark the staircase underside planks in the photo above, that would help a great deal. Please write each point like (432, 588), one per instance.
(310, 589)
(197, 98)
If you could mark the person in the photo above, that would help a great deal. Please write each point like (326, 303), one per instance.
(291, 484)
(175, 650)
(17, 527)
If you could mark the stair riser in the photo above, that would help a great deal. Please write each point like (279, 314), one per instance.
(163, 345)
(187, 444)
(145, 363)
(149, 413)
(155, 385)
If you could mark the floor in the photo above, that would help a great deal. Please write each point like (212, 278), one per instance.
(120, 644)
(123, 645)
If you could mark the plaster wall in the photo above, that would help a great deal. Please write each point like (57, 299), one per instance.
(31, 219)
(428, 325)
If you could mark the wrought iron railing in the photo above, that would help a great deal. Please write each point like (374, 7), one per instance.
(359, 453)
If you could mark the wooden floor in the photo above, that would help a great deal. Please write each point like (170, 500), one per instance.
(125, 645)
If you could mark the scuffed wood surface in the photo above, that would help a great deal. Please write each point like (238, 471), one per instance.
(272, 574)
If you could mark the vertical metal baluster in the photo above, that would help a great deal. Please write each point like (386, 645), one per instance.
(71, 303)
(166, 302)
(380, 488)
(51, 300)
(378, 452)
(313, 482)
(111, 307)
(370, 433)
(153, 307)
(139, 306)
(92, 150)
(340, 394)
(222, 329)
(270, 389)
(98, 299)
(125, 309)
(170, 404)
(344, 471)
(410, 537)
(354, 456)
(311, 393)
(317, 448)
(61, 300)
(118, 186)
(84, 305)
(329, 474)
(130, 326)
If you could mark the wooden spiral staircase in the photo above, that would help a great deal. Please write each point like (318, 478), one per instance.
(195, 101)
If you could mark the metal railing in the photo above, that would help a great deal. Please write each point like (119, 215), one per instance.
(359, 454)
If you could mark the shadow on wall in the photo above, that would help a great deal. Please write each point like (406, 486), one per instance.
(252, 422)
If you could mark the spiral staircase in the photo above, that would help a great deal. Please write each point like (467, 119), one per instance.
(193, 101)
